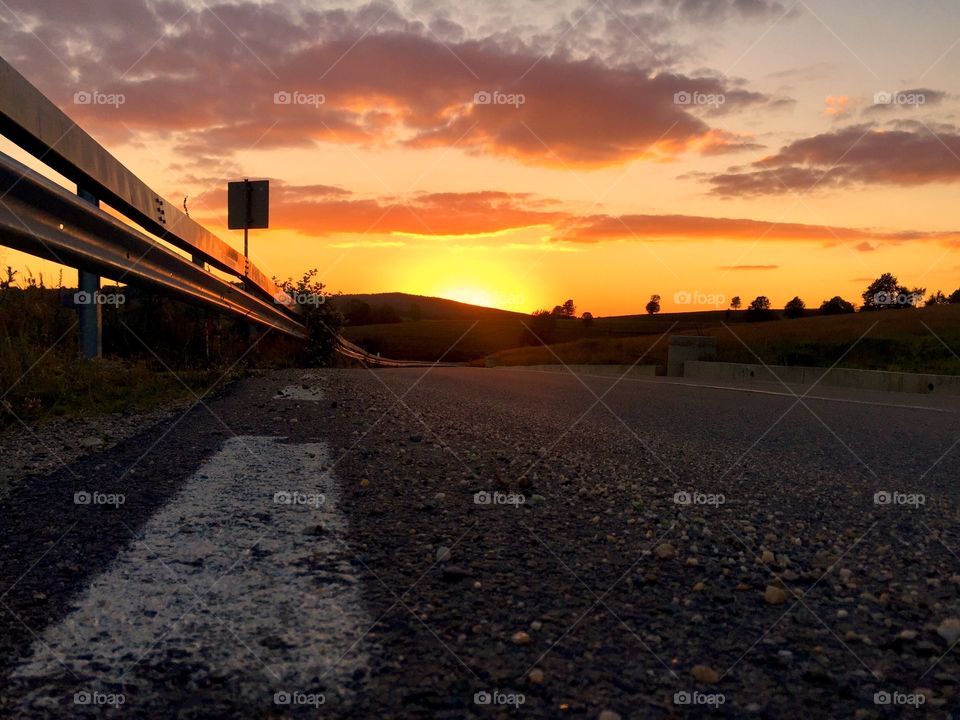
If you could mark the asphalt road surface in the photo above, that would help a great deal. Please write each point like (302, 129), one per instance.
(473, 543)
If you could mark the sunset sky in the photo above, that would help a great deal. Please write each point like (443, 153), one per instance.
(515, 153)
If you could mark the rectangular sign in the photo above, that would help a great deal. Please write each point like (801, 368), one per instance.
(248, 204)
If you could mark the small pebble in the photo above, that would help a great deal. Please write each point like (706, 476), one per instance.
(520, 638)
(775, 595)
(949, 630)
(705, 674)
(665, 551)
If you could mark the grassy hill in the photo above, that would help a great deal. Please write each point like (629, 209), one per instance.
(459, 332)
(908, 340)
(430, 308)
(922, 340)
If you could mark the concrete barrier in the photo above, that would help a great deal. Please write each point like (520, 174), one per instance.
(688, 347)
(605, 370)
(835, 377)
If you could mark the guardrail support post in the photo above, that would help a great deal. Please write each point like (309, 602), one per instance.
(89, 314)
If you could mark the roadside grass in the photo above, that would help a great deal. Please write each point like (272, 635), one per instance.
(39, 386)
(922, 340)
(43, 377)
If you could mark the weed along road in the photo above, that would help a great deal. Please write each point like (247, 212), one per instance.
(471, 543)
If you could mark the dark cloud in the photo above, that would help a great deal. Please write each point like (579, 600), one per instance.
(210, 78)
(711, 11)
(904, 100)
(908, 153)
(600, 228)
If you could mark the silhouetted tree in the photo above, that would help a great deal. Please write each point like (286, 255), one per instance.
(954, 297)
(937, 298)
(795, 308)
(566, 311)
(759, 309)
(836, 306)
(736, 303)
(541, 328)
(653, 307)
(886, 293)
(385, 314)
(587, 319)
(358, 312)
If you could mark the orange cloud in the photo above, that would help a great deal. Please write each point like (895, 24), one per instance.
(322, 210)
(370, 77)
(836, 106)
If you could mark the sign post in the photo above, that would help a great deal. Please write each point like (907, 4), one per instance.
(248, 206)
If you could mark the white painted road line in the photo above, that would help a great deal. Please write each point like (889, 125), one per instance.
(239, 579)
(307, 393)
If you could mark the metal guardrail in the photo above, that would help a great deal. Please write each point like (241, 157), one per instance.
(355, 352)
(32, 121)
(39, 217)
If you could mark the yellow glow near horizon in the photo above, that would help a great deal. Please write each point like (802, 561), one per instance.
(467, 236)
(484, 298)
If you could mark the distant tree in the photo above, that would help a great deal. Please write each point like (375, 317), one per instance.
(759, 309)
(385, 314)
(736, 303)
(954, 298)
(836, 306)
(566, 311)
(795, 308)
(879, 293)
(358, 312)
(416, 314)
(886, 293)
(587, 319)
(653, 307)
(937, 298)
(541, 328)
